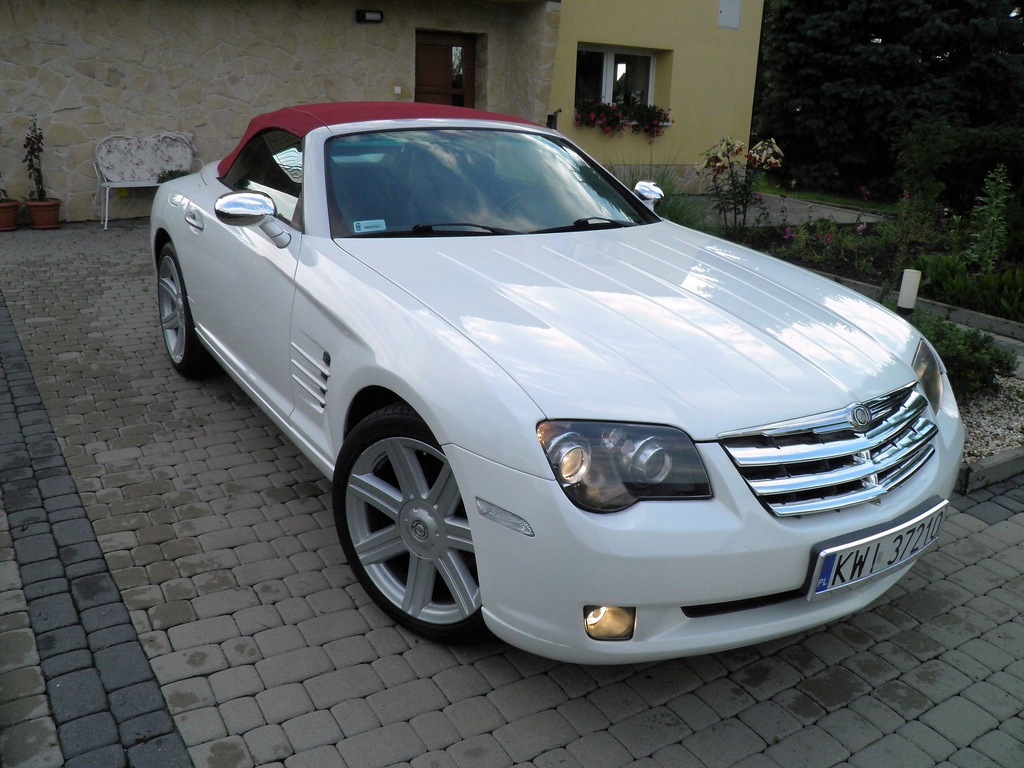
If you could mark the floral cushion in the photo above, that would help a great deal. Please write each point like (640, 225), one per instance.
(127, 159)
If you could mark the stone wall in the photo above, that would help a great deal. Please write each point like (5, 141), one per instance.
(91, 68)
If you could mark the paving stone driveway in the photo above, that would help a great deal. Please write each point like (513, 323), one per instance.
(211, 619)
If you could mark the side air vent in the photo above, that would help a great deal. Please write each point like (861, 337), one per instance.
(312, 375)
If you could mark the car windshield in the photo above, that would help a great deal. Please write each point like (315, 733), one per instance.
(418, 183)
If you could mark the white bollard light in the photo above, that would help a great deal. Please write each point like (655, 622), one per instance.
(908, 291)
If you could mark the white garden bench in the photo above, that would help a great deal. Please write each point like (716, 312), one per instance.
(126, 162)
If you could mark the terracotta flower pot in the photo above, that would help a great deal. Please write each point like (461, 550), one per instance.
(9, 210)
(44, 214)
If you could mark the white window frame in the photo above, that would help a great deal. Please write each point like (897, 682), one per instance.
(608, 70)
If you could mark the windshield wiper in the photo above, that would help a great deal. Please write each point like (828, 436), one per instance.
(590, 222)
(458, 227)
(442, 229)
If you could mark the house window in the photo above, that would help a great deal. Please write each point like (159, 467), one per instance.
(614, 76)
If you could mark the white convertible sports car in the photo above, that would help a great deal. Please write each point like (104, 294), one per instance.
(548, 413)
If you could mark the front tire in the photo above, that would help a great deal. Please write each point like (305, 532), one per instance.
(403, 526)
(187, 354)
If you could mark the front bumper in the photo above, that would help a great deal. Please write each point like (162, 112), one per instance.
(662, 557)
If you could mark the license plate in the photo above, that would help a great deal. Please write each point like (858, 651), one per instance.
(843, 563)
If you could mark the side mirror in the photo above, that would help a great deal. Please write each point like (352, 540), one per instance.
(649, 192)
(252, 209)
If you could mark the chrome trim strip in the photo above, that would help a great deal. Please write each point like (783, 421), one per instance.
(761, 456)
(316, 393)
(831, 421)
(867, 494)
(324, 371)
(861, 470)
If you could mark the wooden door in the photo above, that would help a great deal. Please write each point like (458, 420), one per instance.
(445, 68)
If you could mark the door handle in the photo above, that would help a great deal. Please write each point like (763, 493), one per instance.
(194, 218)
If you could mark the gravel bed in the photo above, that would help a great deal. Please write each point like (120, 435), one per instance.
(995, 423)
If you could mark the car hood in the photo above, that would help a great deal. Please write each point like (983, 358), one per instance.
(653, 323)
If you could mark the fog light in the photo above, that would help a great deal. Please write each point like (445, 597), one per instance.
(609, 622)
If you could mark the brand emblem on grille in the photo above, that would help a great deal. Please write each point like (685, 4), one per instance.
(859, 417)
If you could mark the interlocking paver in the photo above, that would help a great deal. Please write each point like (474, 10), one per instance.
(268, 744)
(936, 680)
(284, 702)
(583, 716)
(1001, 748)
(834, 687)
(341, 685)
(529, 696)
(406, 701)
(809, 748)
(322, 757)
(959, 720)
(33, 742)
(194, 634)
(724, 744)
(186, 695)
(768, 720)
(227, 751)
(473, 717)
(329, 627)
(929, 741)
(435, 730)
(892, 750)
(850, 729)
(646, 732)
(381, 747)
(355, 716)
(315, 729)
(241, 715)
(800, 705)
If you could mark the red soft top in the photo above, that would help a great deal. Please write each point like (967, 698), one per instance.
(301, 120)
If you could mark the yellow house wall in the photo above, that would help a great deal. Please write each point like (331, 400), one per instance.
(91, 68)
(703, 73)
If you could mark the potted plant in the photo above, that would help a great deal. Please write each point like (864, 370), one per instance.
(8, 210)
(43, 211)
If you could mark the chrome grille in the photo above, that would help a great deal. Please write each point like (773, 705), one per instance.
(824, 463)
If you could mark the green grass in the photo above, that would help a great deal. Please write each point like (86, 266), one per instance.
(769, 187)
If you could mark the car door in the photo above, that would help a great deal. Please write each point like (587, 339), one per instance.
(246, 308)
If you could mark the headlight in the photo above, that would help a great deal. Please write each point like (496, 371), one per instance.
(606, 467)
(929, 373)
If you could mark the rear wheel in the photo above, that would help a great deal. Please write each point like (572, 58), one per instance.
(188, 356)
(403, 526)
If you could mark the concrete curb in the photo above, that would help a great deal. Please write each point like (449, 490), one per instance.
(982, 473)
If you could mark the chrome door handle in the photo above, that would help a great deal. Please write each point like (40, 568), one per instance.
(194, 218)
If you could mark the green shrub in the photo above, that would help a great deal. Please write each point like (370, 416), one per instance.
(945, 167)
(683, 210)
(846, 249)
(989, 235)
(973, 360)
(947, 278)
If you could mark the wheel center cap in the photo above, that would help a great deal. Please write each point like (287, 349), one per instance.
(422, 530)
(419, 530)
